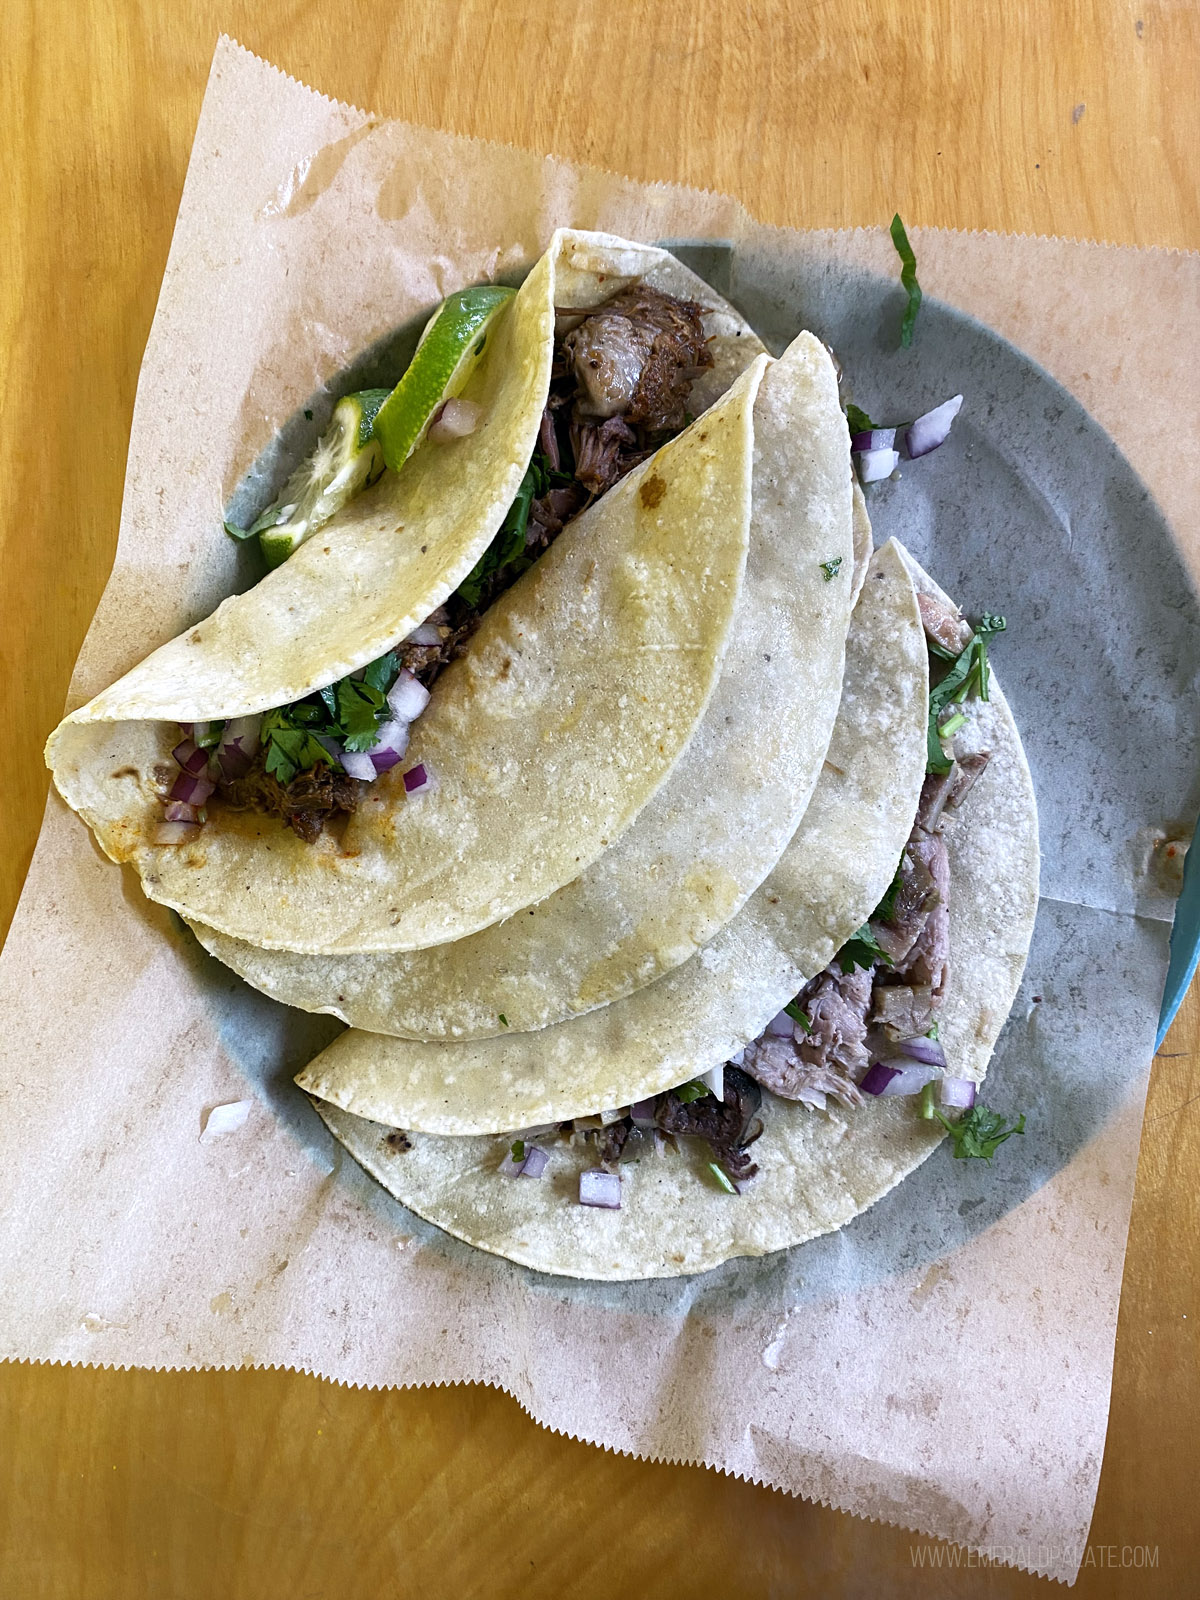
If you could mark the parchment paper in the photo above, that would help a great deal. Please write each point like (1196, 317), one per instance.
(844, 1371)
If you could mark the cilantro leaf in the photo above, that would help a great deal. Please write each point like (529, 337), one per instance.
(980, 1133)
(507, 549)
(381, 674)
(360, 711)
(691, 1091)
(968, 671)
(831, 568)
(858, 421)
(290, 749)
(518, 1150)
(503, 1020)
(861, 950)
(886, 908)
(908, 277)
(802, 1017)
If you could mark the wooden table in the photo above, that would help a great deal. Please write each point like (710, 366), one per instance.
(1038, 116)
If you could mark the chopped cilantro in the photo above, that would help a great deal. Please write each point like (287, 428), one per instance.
(980, 1133)
(360, 711)
(518, 1150)
(933, 1031)
(831, 568)
(861, 950)
(507, 550)
(290, 749)
(886, 909)
(950, 727)
(858, 421)
(691, 1091)
(722, 1177)
(908, 278)
(381, 674)
(351, 711)
(503, 1020)
(927, 1108)
(802, 1017)
(968, 671)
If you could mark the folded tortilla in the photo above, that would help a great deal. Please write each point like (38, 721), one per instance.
(818, 1170)
(719, 824)
(826, 884)
(580, 692)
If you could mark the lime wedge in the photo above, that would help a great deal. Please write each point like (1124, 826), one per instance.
(452, 345)
(347, 459)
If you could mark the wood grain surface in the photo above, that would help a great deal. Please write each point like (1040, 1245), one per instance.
(1076, 117)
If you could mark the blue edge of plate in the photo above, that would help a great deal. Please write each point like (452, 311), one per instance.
(1185, 945)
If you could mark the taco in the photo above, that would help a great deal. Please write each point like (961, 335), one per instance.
(714, 830)
(797, 1053)
(565, 684)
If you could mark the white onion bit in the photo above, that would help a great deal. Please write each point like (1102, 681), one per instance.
(408, 696)
(454, 419)
(425, 633)
(227, 1118)
(715, 1079)
(876, 464)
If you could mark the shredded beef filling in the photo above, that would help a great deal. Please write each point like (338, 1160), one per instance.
(620, 381)
(306, 805)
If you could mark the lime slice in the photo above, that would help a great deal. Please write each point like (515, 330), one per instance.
(452, 345)
(347, 459)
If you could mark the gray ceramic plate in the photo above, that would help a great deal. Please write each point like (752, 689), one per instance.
(1030, 510)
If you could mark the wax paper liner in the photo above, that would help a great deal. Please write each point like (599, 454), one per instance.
(310, 239)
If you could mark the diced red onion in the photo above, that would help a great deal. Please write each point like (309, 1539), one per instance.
(419, 780)
(931, 429)
(874, 439)
(179, 811)
(175, 832)
(408, 696)
(877, 1078)
(535, 1161)
(876, 464)
(780, 1026)
(927, 1051)
(957, 1092)
(531, 1165)
(191, 790)
(454, 419)
(390, 744)
(425, 633)
(358, 764)
(883, 1048)
(238, 745)
(642, 1112)
(190, 757)
(909, 1080)
(600, 1188)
